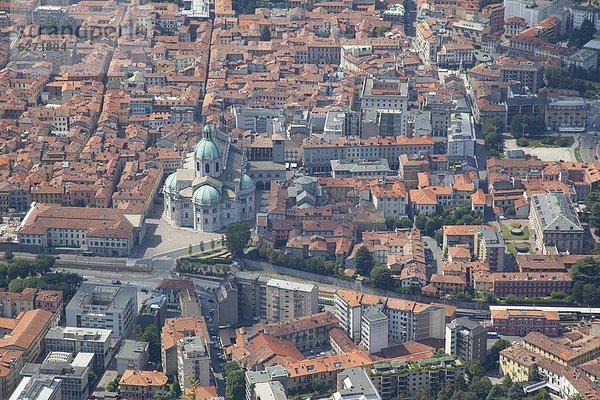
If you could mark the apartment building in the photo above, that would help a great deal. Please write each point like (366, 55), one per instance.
(71, 369)
(374, 327)
(403, 378)
(523, 365)
(408, 320)
(521, 322)
(555, 224)
(193, 362)
(307, 332)
(103, 307)
(519, 69)
(81, 340)
(566, 114)
(489, 247)
(11, 363)
(132, 355)
(390, 197)
(286, 300)
(571, 353)
(13, 303)
(141, 385)
(304, 372)
(530, 284)
(318, 153)
(173, 331)
(466, 340)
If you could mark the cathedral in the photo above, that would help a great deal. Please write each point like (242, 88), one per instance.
(212, 190)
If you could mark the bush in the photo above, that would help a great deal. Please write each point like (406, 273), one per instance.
(522, 142)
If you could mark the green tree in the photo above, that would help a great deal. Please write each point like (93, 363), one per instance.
(474, 369)
(212, 244)
(531, 125)
(265, 33)
(202, 247)
(43, 263)
(236, 385)
(516, 392)
(580, 36)
(151, 336)
(439, 236)
(113, 385)
(381, 277)
(190, 250)
(238, 236)
(363, 261)
(494, 353)
(380, 31)
(8, 255)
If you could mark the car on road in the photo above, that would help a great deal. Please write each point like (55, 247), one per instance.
(88, 253)
(116, 282)
(211, 301)
(128, 283)
(144, 290)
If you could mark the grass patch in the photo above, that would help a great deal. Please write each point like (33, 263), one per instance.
(512, 249)
(578, 154)
(509, 236)
(547, 142)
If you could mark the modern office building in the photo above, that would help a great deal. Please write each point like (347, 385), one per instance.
(103, 307)
(72, 370)
(38, 388)
(466, 339)
(81, 340)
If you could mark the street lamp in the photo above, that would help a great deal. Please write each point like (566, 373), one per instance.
(523, 125)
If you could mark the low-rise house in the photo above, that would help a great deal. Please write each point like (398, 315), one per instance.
(141, 385)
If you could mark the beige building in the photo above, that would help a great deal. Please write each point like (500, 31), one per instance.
(141, 385)
(287, 300)
(555, 224)
(566, 115)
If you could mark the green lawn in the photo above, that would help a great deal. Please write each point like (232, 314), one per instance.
(578, 154)
(509, 236)
(511, 247)
(538, 142)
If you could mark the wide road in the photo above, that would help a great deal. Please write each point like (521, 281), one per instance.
(590, 141)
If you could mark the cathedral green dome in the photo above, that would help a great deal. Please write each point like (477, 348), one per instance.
(206, 194)
(207, 150)
(171, 181)
(246, 182)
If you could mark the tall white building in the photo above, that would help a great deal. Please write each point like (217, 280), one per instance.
(374, 329)
(461, 135)
(287, 300)
(81, 340)
(193, 362)
(407, 320)
(103, 307)
(535, 11)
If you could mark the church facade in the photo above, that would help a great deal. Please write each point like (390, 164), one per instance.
(212, 190)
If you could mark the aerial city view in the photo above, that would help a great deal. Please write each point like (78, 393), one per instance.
(300, 199)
